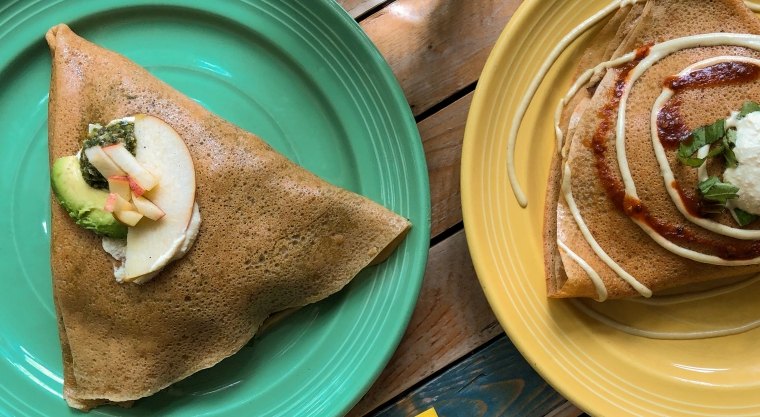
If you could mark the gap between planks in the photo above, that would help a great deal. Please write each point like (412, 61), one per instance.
(449, 321)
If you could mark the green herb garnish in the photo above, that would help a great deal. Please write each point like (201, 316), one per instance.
(742, 217)
(119, 132)
(701, 136)
(713, 189)
(748, 107)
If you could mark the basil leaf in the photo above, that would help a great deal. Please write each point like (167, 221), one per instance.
(691, 162)
(712, 189)
(748, 107)
(728, 154)
(742, 217)
(686, 150)
(717, 149)
(715, 131)
(731, 135)
(705, 185)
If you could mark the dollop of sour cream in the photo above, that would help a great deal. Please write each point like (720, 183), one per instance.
(746, 175)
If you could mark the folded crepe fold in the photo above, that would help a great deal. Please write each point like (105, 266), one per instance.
(273, 237)
(590, 147)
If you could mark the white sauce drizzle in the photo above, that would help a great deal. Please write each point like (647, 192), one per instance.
(662, 158)
(601, 290)
(677, 44)
(522, 199)
(580, 83)
(696, 296)
(568, 194)
(653, 334)
(752, 6)
(576, 32)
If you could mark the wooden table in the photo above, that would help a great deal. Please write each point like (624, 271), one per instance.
(454, 355)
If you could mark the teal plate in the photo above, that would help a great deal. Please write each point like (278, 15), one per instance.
(302, 75)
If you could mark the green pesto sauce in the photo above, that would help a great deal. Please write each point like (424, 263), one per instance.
(119, 132)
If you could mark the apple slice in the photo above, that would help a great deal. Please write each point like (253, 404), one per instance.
(135, 187)
(151, 245)
(102, 162)
(128, 217)
(115, 202)
(121, 156)
(147, 208)
(119, 184)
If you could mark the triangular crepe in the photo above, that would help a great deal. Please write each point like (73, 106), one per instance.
(658, 269)
(273, 237)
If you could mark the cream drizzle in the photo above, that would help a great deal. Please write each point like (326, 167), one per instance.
(703, 40)
(696, 296)
(662, 158)
(601, 290)
(568, 194)
(752, 6)
(653, 334)
(580, 83)
(656, 53)
(522, 108)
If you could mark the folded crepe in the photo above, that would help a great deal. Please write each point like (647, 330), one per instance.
(616, 222)
(273, 237)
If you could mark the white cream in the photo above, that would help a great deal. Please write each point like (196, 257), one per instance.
(746, 175)
(117, 248)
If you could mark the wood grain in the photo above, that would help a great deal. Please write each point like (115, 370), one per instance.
(494, 381)
(356, 8)
(442, 136)
(451, 318)
(437, 47)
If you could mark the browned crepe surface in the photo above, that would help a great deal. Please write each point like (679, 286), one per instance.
(617, 234)
(273, 237)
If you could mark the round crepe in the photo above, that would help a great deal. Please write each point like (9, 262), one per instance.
(625, 242)
(273, 237)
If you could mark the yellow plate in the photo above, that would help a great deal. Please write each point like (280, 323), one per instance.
(602, 370)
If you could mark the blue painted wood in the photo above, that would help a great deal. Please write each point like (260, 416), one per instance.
(494, 380)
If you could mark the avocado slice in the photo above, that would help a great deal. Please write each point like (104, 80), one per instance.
(83, 203)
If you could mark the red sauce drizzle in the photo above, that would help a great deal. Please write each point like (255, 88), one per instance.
(693, 203)
(670, 126)
(730, 72)
(634, 208)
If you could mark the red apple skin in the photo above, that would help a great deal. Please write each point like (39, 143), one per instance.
(139, 191)
(110, 202)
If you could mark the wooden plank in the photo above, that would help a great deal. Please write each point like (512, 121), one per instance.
(452, 317)
(437, 47)
(357, 8)
(494, 381)
(442, 136)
